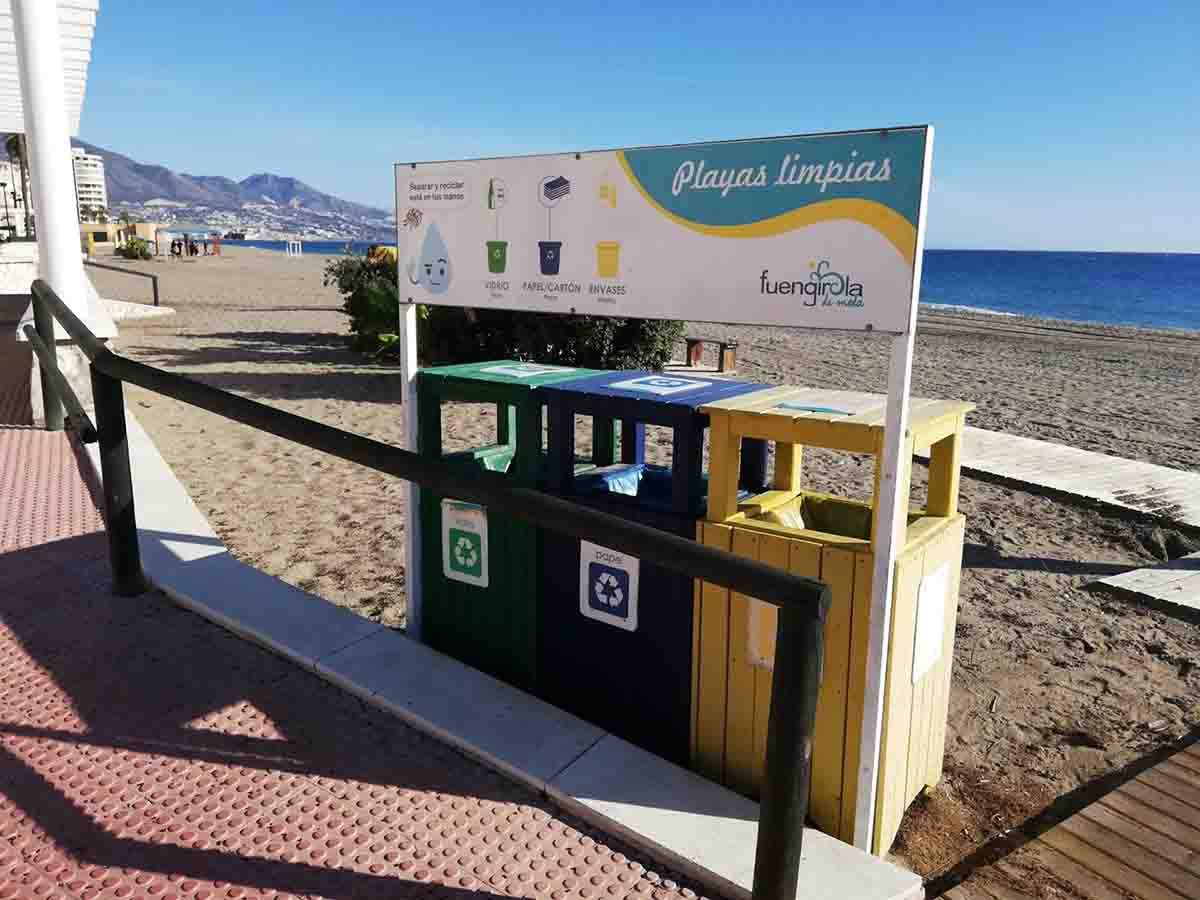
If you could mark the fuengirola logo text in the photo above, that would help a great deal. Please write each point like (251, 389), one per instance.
(695, 176)
(825, 286)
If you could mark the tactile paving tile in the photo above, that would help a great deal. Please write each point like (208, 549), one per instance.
(145, 753)
(43, 497)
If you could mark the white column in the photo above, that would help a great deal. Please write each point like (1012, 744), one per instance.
(39, 58)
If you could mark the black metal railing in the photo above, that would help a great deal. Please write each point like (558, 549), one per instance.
(802, 602)
(153, 278)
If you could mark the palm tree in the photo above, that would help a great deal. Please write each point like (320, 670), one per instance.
(101, 214)
(85, 213)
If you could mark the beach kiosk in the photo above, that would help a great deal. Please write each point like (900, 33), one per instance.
(831, 538)
(478, 567)
(615, 632)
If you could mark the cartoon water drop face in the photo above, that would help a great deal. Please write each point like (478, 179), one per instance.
(432, 269)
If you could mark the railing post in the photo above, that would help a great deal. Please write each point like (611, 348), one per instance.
(52, 407)
(783, 804)
(123, 554)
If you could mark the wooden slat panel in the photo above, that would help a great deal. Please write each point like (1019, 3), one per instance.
(1163, 802)
(941, 704)
(1166, 877)
(1161, 778)
(856, 684)
(1085, 881)
(724, 462)
(1182, 773)
(1149, 839)
(968, 891)
(774, 551)
(1188, 761)
(897, 704)
(1164, 786)
(788, 460)
(945, 460)
(742, 770)
(713, 667)
(829, 744)
(1108, 868)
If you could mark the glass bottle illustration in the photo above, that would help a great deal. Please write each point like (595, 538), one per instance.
(497, 250)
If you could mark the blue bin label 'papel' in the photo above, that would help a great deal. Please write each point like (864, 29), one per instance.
(661, 385)
(608, 586)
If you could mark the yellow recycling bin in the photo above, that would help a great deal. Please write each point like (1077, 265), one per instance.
(830, 537)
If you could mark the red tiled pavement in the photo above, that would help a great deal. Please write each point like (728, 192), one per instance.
(147, 753)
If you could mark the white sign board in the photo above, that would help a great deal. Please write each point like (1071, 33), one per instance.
(608, 586)
(931, 621)
(818, 231)
(465, 542)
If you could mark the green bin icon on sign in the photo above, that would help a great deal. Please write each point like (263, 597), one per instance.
(466, 553)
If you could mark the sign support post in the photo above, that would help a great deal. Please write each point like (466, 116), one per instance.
(893, 503)
(412, 498)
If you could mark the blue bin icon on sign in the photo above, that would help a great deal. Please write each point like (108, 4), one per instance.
(609, 590)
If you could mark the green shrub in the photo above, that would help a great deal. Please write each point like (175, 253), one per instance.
(450, 334)
(135, 248)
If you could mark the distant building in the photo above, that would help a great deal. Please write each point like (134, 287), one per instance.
(12, 205)
(90, 192)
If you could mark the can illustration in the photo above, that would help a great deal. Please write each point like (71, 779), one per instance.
(550, 255)
(497, 256)
(608, 259)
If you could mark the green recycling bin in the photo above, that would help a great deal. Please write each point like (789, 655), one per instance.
(480, 568)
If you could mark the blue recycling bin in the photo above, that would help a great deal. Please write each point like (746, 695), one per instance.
(615, 632)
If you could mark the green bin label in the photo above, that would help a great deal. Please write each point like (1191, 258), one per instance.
(464, 543)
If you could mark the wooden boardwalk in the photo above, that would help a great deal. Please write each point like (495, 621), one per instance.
(1171, 494)
(1173, 586)
(1140, 841)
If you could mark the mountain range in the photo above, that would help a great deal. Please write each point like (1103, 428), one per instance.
(132, 182)
(266, 206)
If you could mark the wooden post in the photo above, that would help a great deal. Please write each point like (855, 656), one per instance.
(945, 463)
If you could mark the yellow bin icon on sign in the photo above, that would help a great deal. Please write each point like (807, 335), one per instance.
(608, 259)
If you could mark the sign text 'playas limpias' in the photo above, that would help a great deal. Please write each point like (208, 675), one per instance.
(694, 176)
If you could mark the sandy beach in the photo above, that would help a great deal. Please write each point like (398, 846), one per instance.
(1053, 685)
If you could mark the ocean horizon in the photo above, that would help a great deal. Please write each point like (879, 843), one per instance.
(1148, 290)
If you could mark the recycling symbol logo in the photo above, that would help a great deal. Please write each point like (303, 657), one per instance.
(608, 591)
(465, 554)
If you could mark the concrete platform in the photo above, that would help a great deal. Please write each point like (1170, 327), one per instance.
(684, 821)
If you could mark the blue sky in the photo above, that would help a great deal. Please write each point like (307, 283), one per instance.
(1059, 125)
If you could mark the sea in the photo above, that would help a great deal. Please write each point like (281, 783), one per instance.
(1153, 290)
